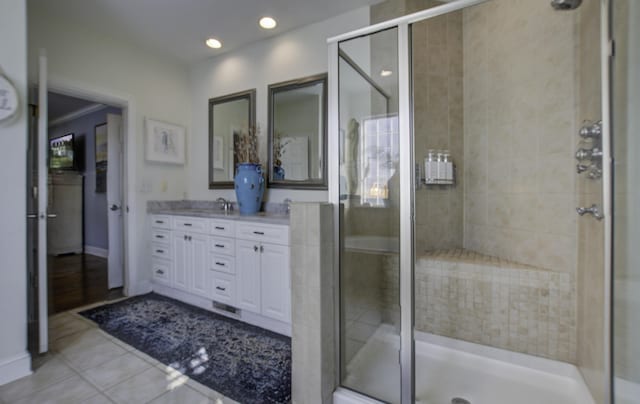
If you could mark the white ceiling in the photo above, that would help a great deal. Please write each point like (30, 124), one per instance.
(178, 28)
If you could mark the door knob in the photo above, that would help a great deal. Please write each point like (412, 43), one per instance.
(114, 207)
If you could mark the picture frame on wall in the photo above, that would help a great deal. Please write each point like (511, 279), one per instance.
(101, 155)
(165, 142)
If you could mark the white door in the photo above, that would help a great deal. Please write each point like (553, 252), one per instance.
(248, 273)
(43, 215)
(198, 248)
(114, 201)
(181, 260)
(276, 291)
(295, 157)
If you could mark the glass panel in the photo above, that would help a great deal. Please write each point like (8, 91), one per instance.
(369, 221)
(500, 92)
(626, 149)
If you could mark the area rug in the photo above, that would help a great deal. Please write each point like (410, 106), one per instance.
(241, 361)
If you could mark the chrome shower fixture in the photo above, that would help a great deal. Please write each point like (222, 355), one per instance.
(565, 4)
(591, 130)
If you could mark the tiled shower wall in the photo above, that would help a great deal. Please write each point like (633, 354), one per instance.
(520, 133)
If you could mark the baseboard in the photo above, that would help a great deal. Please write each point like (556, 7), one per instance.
(97, 251)
(138, 288)
(15, 367)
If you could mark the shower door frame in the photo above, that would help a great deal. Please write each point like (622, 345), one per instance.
(407, 180)
(406, 177)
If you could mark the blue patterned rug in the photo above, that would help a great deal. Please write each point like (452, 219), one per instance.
(241, 361)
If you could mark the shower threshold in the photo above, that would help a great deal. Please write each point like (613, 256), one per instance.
(447, 368)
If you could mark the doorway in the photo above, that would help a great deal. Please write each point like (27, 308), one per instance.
(76, 156)
(79, 237)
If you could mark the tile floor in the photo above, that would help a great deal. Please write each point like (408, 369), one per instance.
(87, 365)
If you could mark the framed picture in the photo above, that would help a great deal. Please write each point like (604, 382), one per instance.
(101, 152)
(165, 142)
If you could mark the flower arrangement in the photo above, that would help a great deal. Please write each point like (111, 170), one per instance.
(246, 145)
(279, 148)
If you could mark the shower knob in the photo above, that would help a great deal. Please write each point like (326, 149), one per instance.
(594, 211)
(591, 131)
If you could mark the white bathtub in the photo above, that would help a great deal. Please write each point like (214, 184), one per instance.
(448, 368)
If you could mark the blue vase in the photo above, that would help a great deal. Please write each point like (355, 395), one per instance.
(249, 184)
(278, 173)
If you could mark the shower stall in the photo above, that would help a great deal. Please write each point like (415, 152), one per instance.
(472, 171)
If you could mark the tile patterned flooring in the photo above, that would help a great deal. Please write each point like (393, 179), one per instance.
(87, 365)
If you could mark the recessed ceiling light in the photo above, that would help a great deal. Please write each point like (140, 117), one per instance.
(385, 72)
(268, 23)
(213, 43)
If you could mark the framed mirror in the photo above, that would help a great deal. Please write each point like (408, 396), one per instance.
(229, 116)
(298, 133)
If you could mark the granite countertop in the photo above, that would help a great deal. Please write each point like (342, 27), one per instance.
(265, 217)
(274, 213)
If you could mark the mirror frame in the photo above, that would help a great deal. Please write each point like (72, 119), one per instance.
(319, 184)
(247, 94)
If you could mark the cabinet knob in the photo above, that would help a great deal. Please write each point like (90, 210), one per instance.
(221, 264)
(221, 288)
(261, 248)
(159, 271)
(219, 228)
(255, 248)
(259, 233)
(219, 245)
(160, 251)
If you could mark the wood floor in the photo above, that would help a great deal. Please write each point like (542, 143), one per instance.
(77, 280)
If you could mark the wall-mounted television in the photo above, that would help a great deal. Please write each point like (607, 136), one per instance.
(61, 153)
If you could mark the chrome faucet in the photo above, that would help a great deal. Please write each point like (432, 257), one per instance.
(287, 203)
(225, 204)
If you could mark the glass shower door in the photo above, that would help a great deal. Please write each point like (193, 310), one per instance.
(369, 215)
(626, 200)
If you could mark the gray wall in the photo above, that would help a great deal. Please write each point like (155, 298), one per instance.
(95, 205)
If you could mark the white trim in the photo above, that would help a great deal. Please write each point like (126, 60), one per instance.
(97, 251)
(407, 19)
(77, 114)
(127, 103)
(15, 367)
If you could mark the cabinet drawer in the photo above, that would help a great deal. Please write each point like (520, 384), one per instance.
(161, 271)
(194, 224)
(221, 245)
(160, 236)
(223, 288)
(222, 263)
(160, 250)
(161, 221)
(263, 232)
(222, 228)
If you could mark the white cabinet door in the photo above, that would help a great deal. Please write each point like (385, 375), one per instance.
(198, 246)
(276, 291)
(181, 260)
(248, 275)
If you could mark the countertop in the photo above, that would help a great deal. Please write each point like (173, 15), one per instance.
(261, 217)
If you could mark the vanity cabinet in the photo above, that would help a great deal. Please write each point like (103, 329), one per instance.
(263, 270)
(243, 265)
(190, 262)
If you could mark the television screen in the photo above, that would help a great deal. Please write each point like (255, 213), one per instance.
(61, 153)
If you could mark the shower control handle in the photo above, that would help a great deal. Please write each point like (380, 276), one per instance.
(591, 131)
(594, 211)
